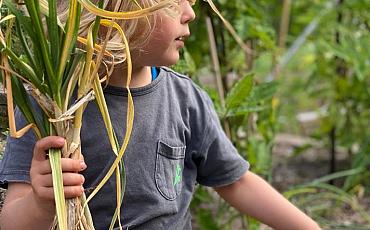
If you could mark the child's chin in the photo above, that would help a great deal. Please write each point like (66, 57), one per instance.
(171, 61)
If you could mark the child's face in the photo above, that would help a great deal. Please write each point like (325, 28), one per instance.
(167, 38)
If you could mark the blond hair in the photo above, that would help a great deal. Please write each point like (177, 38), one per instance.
(137, 31)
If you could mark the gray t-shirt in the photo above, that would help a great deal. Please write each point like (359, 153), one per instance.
(176, 142)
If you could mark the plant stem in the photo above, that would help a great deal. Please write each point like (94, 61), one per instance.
(340, 70)
(284, 23)
(55, 156)
(216, 68)
(284, 28)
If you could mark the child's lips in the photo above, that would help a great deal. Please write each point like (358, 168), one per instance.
(180, 41)
(183, 37)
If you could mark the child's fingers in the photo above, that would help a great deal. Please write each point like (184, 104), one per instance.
(41, 178)
(47, 193)
(44, 144)
(69, 179)
(40, 167)
(73, 191)
(73, 179)
(68, 165)
(71, 165)
(44, 193)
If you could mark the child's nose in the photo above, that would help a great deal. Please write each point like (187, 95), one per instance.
(188, 13)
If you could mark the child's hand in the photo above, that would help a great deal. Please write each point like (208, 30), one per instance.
(40, 172)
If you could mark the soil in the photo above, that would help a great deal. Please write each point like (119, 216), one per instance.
(290, 170)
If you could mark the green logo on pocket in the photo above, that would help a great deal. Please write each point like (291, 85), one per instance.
(177, 177)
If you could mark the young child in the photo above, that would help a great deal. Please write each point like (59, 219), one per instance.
(177, 141)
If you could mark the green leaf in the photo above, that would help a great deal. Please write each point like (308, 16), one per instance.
(34, 12)
(26, 25)
(23, 102)
(70, 36)
(53, 31)
(190, 62)
(240, 92)
(245, 110)
(206, 220)
(71, 73)
(27, 50)
(97, 22)
(25, 69)
(254, 103)
(20, 17)
(263, 92)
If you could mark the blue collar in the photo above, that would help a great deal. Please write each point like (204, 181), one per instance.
(154, 72)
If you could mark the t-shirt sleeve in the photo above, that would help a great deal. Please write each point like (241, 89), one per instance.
(219, 163)
(16, 162)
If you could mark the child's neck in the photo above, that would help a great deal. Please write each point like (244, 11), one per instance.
(140, 77)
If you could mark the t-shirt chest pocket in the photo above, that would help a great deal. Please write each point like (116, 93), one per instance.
(169, 165)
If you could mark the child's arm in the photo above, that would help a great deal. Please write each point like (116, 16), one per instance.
(253, 196)
(31, 206)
